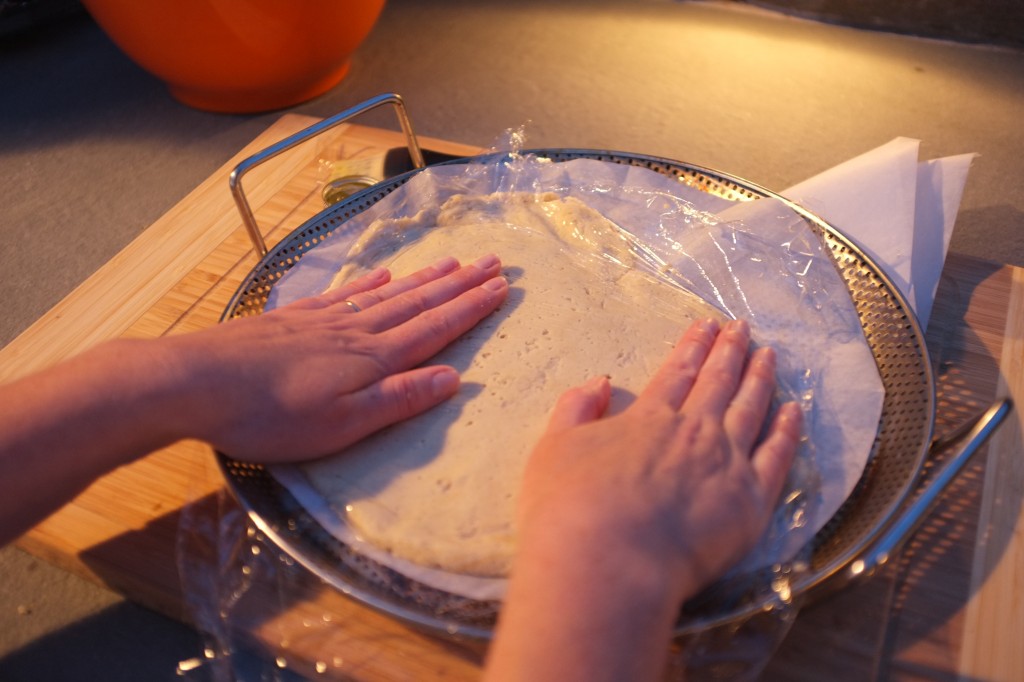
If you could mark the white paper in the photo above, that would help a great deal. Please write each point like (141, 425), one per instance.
(870, 199)
(727, 259)
(940, 185)
(898, 210)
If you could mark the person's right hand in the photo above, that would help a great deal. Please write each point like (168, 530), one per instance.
(679, 477)
(622, 518)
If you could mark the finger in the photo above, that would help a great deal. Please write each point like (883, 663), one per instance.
(397, 397)
(676, 376)
(371, 280)
(369, 297)
(719, 377)
(433, 294)
(746, 413)
(426, 334)
(580, 404)
(774, 456)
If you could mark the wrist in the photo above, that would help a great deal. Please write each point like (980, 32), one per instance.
(645, 558)
(143, 396)
(180, 387)
(603, 569)
(582, 607)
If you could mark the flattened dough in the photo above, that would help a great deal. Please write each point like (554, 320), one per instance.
(440, 489)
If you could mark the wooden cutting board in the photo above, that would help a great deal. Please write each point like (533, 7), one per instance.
(950, 606)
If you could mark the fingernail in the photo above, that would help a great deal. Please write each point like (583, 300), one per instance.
(709, 324)
(765, 355)
(495, 284)
(488, 261)
(446, 264)
(445, 383)
(376, 274)
(740, 326)
(791, 412)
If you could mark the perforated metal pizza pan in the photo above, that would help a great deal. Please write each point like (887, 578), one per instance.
(902, 441)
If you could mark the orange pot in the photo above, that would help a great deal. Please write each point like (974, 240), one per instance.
(240, 55)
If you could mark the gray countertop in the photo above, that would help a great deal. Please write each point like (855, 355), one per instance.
(93, 150)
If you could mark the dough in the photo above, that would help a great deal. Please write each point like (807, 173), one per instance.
(440, 489)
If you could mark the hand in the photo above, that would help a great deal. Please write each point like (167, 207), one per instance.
(623, 518)
(298, 382)
(315, 376)
(679, 478)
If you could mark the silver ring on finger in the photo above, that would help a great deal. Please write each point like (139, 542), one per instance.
(351, 304)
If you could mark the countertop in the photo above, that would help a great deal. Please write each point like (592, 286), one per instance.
(93, 150)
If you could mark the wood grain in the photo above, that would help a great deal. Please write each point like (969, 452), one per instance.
(952, 606)
(995, 614)
(126, 287)
(177, 277)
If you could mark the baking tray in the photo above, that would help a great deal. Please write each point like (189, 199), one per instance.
(860, 537)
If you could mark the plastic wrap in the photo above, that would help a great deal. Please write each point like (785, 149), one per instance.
(759, 261)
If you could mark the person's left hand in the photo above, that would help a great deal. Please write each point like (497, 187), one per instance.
(314, 376)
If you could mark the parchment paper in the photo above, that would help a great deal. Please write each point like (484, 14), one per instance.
(757, 260)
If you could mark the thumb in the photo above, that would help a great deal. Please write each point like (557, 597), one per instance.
(580, 405)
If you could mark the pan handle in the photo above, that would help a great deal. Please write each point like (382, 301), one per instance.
(899, 532)
(235, 180)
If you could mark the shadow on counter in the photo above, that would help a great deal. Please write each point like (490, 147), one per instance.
(122, 643)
